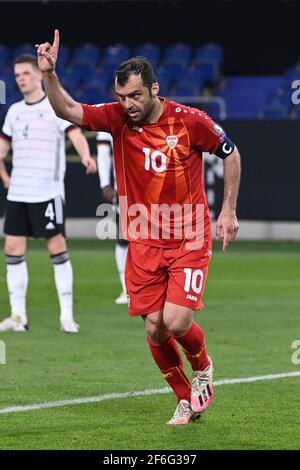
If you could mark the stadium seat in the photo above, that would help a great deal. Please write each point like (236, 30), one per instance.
(71, 76)
(63, 57)
(176, 72)
(295, 112)
(84, 71)
(69, 83)
(178, 53)
(245, 96)
(107, 72)
(164, 78)
(11, 90)
(86, 54)
(212, 109)
(208, 71)
(209, 51)
(23, 49)
(115, 54)
(275, 112)
(290, 76)
(91, 96)
(98, 79)
(185, 89)
(281, 97)
(150, 51)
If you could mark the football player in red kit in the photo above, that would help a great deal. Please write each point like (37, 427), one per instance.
(158, 147)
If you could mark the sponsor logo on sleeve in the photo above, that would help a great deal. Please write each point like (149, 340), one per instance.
(218, 129)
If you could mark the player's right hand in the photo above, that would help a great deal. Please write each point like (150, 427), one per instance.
(47, 54)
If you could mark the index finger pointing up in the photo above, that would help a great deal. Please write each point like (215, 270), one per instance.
(56, 39)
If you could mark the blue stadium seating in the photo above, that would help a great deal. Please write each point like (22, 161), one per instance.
(63, 57)
(150, 51)
(91, 96)
(87, 72)
(276, 112)
(84, 71)
(185, 89)
(208, 71)
(107, 72)
(175, 72)
(23, 49)
(71, 74)
(209, 51)
(244, 96)
(115, 54)
(165, 78)
(178, 53)
(295, 112)
(86, 54)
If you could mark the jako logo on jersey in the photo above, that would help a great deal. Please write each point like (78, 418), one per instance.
(172, 141)
(50, 226)
(192, 297)
(136, 128)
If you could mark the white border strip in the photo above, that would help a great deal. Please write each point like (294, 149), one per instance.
(157, 391)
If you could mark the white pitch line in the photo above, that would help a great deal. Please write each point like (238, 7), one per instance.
(141, 393)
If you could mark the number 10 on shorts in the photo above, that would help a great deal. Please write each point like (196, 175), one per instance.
(193, 279)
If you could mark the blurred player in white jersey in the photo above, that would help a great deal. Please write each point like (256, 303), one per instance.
(105, 169)
(35, 199)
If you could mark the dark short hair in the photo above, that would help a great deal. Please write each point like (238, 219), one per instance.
(27, 59)
(136, 66)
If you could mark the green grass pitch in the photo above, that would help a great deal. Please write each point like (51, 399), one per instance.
(251, 318)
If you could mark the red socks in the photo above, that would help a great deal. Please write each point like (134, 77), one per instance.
(193, 345)
(168, 358)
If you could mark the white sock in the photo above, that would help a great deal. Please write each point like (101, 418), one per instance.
(120, 254)
(63, 275)
(17, 282)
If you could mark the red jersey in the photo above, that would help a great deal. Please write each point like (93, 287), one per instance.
(159, 170)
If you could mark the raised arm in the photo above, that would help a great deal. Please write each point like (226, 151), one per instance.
(62, 103)
(227, 224)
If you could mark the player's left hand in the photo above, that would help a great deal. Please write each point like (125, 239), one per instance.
(227, 227)
(90, 165)
(5, 180)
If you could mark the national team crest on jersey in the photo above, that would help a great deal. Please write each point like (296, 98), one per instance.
(172, 141)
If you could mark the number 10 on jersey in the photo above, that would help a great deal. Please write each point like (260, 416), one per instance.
(156, 160)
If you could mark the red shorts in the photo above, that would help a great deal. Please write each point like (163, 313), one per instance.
(154, 275)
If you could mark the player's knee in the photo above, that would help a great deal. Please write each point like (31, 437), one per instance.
(178, 326)
(14, 249)
(56, 244)
(155, 332)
